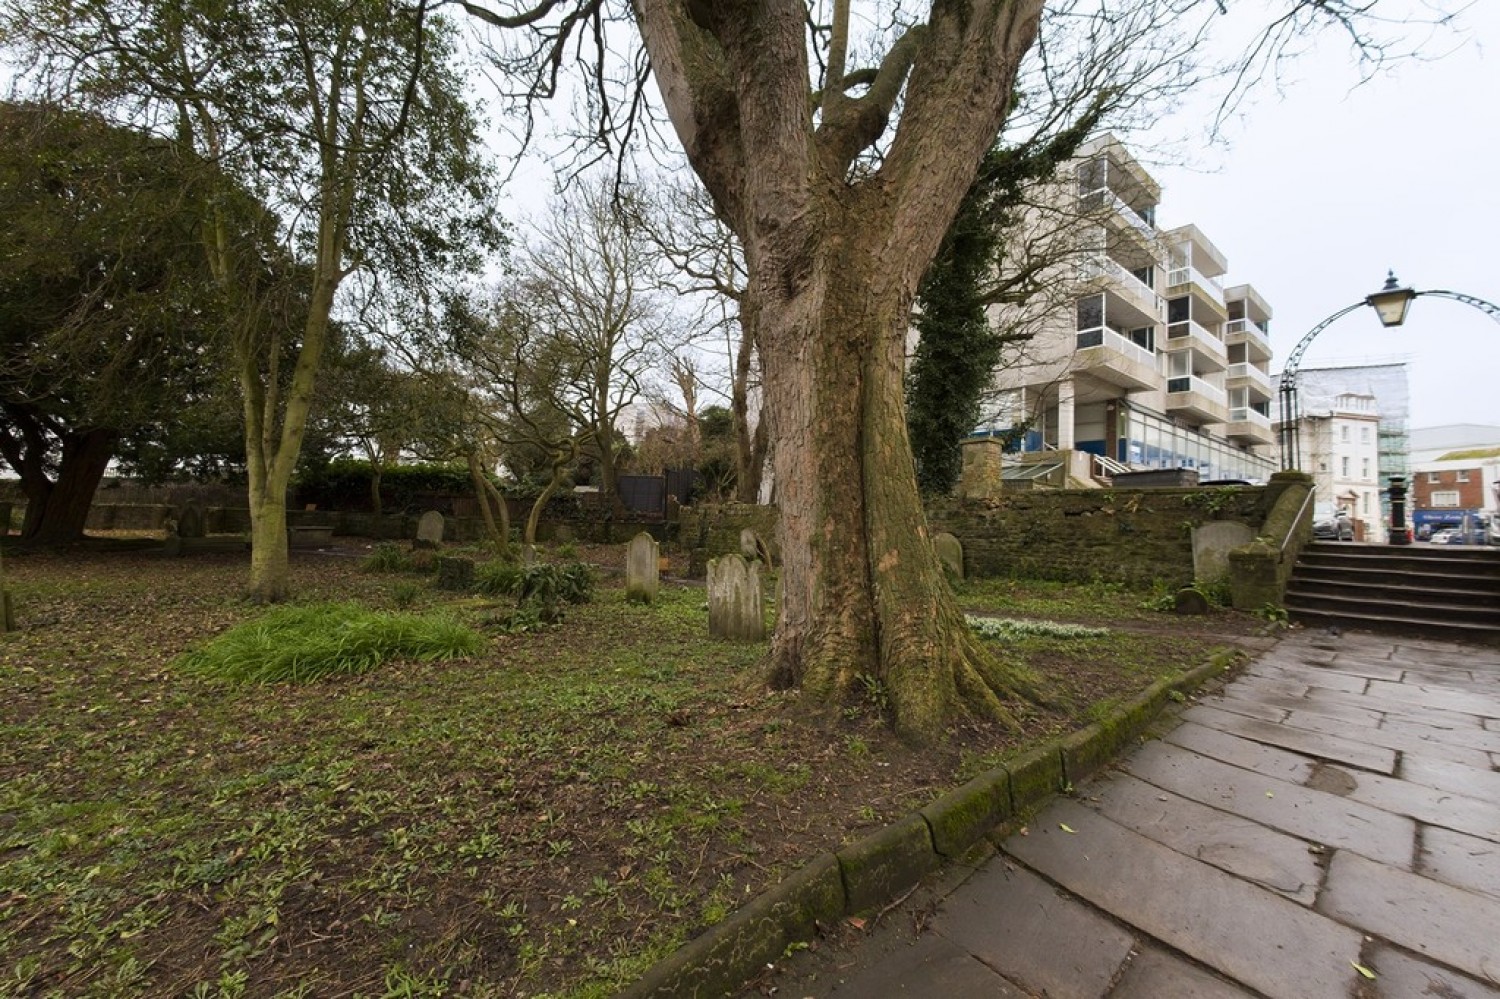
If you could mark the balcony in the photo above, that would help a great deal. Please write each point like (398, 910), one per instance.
(1208, 350)
(1198, 399)
(1105, 274)
(1255, 340)
(1249, 425)
(1112, 358)
(1190, 280)
(1115, 207)
(1249, 376)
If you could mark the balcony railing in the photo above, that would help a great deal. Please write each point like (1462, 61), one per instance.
(1244, 414)
(1101, 336)
(1251, 373)
(1250, 331)
(1184, 275)
(1192, 383)
(1097, 265)
(1191, 334)
(1103, 197)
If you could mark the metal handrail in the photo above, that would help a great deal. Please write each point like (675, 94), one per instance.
(1311, 492)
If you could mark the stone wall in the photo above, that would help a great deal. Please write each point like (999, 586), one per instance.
(1136, 537)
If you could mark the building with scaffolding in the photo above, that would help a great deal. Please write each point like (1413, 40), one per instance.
(1323, 392)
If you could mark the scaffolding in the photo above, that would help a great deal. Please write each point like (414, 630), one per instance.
(1320, 387)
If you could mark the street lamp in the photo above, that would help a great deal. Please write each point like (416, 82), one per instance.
(1391, 302)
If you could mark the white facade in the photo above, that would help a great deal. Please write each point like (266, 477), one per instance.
(1341, 450)
(1143, 358)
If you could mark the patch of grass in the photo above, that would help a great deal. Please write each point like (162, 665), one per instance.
(388, 558)
(307, 643)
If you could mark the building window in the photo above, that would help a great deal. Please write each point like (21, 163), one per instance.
(1463, 476)
(1344, 433)
(1091, 312)
(1364, 468)
(1447, 497)
(1434, 477)
(1344, 465)
(1364, 435)
(1365, 503)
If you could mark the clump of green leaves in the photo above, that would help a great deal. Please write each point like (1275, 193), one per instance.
(387, 558)
(498, 579)
(319, 640)
(540, 590)
(1000, 627)
(1273, 614)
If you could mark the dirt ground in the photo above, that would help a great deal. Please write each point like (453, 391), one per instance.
(545, 819)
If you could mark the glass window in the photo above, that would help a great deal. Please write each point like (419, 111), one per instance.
(1364, 435)
(1090, 312)
(1364, 468)
(1178, 310)
(1091, 175)
(1344, 467)
(1463, 476)
(1344, 433)
(1434, 477)
(1448, 497)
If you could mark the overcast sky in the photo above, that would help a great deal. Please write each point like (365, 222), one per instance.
(1323, 189)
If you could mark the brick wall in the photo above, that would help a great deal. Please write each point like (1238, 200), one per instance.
(1470, 494)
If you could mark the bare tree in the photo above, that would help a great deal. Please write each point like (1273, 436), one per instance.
(839, 176)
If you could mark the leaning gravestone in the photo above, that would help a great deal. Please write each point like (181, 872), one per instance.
(735, 602)
(753, 548)
(642, 568)
(950, 552)
(429, 530)
(455, 574)
(1212, 544)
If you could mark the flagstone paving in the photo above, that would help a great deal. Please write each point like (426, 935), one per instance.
(1326, 825)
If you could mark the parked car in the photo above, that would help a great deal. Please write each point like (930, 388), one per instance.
(1447, 536)
(1330, 523)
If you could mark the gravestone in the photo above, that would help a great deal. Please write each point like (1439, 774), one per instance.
(950, 552)
(642, 568)
(735, 602)
(429, 530)
(1190, 602)
(455, 574)
(753, 548)
(1212, 544)
(190, 520)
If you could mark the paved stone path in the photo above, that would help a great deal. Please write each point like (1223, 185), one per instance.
(1327, 825)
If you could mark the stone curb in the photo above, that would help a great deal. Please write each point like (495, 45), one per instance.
(879, 867)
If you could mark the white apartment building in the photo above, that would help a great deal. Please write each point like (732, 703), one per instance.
(1341, 451)
(1147, 360)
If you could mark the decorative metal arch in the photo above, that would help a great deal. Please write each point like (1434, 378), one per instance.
(1291, 412)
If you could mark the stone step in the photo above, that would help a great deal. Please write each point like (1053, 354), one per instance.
(1436, 590)
(1385, 561)
(1300, 599)
(1400, 623)
(1401, 577)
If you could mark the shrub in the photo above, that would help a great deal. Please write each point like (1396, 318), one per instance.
(405, 593)
(306, 643)
(497, 579)
(387, 558)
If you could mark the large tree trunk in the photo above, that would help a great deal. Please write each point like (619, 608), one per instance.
(56, 511)
(270, 567)
(865, 605)
(834, 249)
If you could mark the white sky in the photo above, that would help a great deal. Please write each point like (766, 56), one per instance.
(1327, 185)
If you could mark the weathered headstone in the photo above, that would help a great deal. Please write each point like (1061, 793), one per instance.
(642, 568)
(455, 573)
(1212, 544)
(429, 530)
(950, 552)
(735, 602)
(190, 520)
(753, 548)
(563, 533)
(1190, 602)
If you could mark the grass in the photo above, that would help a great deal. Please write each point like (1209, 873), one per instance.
(544, 818)
(332, 639)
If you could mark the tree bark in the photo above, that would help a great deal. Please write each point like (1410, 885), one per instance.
(834, 256)
(56, 511)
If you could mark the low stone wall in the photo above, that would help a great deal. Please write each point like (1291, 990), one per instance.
(1136, 536)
